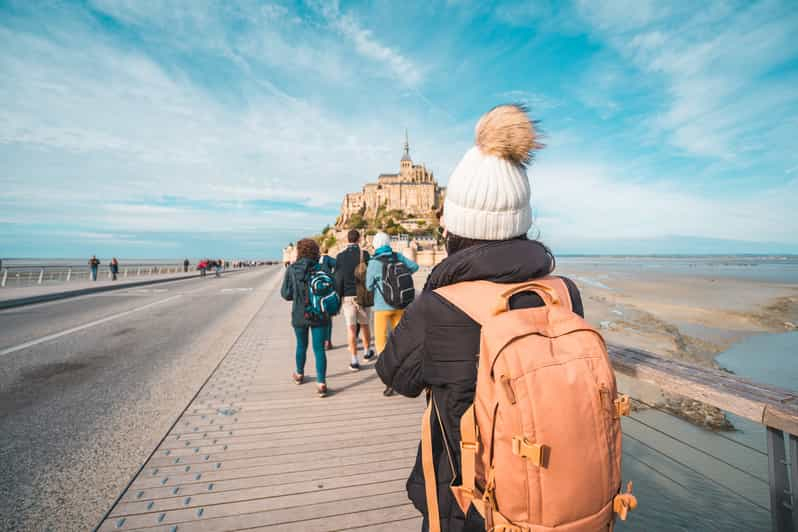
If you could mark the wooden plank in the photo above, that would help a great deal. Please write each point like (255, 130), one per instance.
(287, 515)
(238, 514)
(186, 475)
(401, 525)
(347, 520)
(404, 426)
(211, 496)
(762, 404)
(351, 446)
(242, 478)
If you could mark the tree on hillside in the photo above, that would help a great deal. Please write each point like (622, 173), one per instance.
(356, 221)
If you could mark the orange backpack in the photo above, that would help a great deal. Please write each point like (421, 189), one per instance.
(541, 445)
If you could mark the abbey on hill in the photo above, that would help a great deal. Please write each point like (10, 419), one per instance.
(412, 191)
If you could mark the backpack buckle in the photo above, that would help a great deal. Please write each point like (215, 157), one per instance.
(534, 452)
(623, 502)
(623, 406)
(469, 446)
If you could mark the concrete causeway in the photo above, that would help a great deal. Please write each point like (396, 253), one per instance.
(255, 451)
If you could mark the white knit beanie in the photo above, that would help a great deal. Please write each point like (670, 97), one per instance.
(488, 194)
(381, 239)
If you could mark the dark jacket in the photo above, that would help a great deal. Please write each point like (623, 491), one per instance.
(345, 264)
(295, 289)
(436, 346)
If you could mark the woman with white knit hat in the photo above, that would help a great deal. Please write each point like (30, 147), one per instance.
(387, 316)
(486, 218)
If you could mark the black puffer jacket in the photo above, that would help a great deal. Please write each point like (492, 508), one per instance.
(435, 345)
(295, 289)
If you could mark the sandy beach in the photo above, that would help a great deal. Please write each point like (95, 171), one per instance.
(692, 317)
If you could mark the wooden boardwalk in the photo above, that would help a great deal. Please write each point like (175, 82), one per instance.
(253, 451)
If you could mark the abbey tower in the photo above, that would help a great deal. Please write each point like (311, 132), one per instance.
(413, 190)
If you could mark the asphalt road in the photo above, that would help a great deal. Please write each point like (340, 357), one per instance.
(89, 386)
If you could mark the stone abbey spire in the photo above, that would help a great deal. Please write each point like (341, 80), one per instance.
(406, 155)
(413, 191)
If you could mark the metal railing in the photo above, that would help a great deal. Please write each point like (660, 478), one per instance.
(773, 408)
(23, 275)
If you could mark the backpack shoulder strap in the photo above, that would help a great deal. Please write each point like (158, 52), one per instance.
(473, 298)
(558, 285)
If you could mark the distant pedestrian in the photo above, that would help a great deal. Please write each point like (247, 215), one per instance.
(219, 266)
(350, 281)
(329, 263)
(94, 264)
(203, 266)
(390, 277)
(185, 265)
(114, 268)
(303, 317)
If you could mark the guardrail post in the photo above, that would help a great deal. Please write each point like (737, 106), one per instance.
(125, 272)
(138, 272)
(69, 274)
(781, 508)
(41, 276)
(794, 478)
(5, 277)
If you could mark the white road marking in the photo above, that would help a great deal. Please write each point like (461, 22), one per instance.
(228, 290)
(150, 290)
(49, 337)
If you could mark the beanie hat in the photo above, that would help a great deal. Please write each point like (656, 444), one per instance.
(381, 239)
(488, 193)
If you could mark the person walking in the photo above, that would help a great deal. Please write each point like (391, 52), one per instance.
(486, 217)
(219, 266)
(185, 266)
(295, 289)
(329, 264)
(203, 267)
(352, 289)
(94, 265)
(114, 268)
(386, 316)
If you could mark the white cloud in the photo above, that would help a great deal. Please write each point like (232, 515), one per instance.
(580, 200)
(370, 47)
(713, 62)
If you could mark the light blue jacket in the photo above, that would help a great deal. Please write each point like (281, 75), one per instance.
(374, 275)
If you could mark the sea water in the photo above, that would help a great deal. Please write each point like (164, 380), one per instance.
(766, 268)
(767, 358)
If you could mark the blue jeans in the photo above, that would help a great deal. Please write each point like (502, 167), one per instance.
(318, 335)
(94, 273)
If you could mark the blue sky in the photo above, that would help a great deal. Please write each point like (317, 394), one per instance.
(161, 129)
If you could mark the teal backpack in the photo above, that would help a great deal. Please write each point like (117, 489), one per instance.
(321, 299)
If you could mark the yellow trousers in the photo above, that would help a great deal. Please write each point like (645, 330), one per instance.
(383, 319)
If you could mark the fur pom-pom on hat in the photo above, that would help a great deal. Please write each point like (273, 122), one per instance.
(506, 131)
(488, 197)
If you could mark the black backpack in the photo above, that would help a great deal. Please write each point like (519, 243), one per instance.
(396, 285)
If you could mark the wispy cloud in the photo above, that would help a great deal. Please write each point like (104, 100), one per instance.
(715, 64)
(368, 45)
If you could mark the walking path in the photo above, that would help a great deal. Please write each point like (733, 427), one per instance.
(255, 451)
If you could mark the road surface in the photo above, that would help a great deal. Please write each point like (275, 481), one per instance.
(89, 386)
